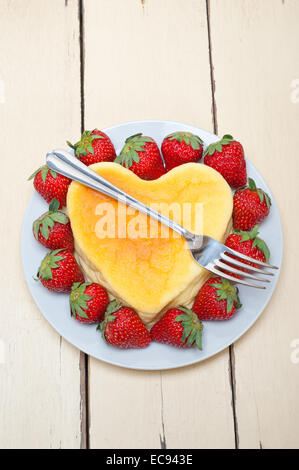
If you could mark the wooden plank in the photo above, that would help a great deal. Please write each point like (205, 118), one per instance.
(255, 56)
(39, 109)
(149, 59)
(197, 406)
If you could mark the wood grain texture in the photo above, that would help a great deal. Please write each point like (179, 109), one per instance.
(39, 59)
(255, 57)
(148, 60)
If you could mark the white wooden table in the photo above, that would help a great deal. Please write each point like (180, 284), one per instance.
(224, 65)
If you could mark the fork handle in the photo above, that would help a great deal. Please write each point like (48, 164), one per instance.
(66, 164)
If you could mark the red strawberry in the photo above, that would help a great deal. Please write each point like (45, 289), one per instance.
(94, 146)
(179, 327)
(123, 328)
(181, 147)
(249, 244)
(141, 154)
(53, 229)
(227, 157)
(251, 206)
(88, 302)
(50, 185)
(59, 270)
(216, 300)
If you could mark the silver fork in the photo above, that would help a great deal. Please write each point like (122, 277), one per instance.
(207, 252)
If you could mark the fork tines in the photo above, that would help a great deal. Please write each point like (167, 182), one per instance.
(220, 268)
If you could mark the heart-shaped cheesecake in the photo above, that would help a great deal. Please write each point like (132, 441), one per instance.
(145, 265)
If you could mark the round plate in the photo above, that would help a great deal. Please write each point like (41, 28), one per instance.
(216, 335)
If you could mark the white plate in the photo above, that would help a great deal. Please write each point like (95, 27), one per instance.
(216, 335)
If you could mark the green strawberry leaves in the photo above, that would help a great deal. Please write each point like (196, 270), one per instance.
(35, 173)
(226, 291)
(217, 146)
(84, 146)
(262, 195)
(49, 262)
(45, 225)
(133, 137)
(251, 184)
(247, 235)
(54, 205)
(192, 327)
(44, 172)
(46, 222)
(187, 137)
(112, 307)
(127, 158)
(59, 217)
(258, 242)
(262, 246)
(78, 299)
(129, 154)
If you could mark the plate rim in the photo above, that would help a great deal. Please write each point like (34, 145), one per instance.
(188, 362)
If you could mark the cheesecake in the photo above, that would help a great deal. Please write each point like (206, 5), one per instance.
(141, 263)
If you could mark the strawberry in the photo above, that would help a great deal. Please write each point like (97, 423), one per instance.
(227, 157)
(59, 270)
(181, 147)
(53, 229)
(50, 185)
(251, 206)
(216, 300)
(123, 328)
(141, 154)
(249, 244)
(179, 327)
(94, 146)
(88, 302)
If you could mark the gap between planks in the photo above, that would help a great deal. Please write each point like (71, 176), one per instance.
(84, 359)
(231, 362)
